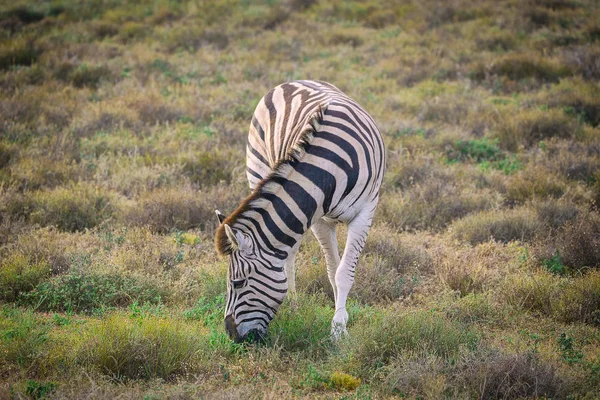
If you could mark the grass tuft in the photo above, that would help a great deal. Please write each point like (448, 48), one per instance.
(503, 226)
(19, 274)
(93, 292)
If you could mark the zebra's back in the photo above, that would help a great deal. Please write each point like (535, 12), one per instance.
(325, 136)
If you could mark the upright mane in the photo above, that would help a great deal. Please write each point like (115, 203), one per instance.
(281, 169)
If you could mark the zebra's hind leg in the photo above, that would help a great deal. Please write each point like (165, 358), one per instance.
(325, 233)
(358, 229)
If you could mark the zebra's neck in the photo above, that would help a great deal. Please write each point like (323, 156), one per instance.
(279, 211)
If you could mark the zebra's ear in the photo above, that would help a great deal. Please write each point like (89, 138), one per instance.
(220, 216)
(233, 241)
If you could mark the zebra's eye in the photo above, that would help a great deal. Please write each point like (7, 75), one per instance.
(238, 283)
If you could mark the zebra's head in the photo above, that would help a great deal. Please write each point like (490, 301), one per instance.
(256, 283)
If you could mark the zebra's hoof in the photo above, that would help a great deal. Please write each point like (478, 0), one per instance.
(338, 331)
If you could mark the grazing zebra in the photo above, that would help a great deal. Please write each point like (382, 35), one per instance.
(314, 158)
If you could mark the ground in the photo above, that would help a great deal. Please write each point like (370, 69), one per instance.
(123, 126)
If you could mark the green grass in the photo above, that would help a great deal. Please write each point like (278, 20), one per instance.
(123, 127)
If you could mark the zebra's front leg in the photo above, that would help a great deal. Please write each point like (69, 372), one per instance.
(290, 268)
(358, 229)
(325, 233)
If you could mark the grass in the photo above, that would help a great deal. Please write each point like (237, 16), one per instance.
(123, 127)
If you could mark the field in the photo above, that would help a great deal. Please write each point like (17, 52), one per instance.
(123, 126)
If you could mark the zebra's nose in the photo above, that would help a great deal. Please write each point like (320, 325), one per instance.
(254, 336)
(231, 328)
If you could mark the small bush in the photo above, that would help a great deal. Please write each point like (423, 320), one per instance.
(166, 210)
(529, 127)
(83, 75)
(501, 225)
(93, 292)
(432, 205)
(537, 292)
(72, 208)
(486, 374)
(494, 375)
(585, 60)
(22, 335)
(520, 66)
(472, 308)
(574, 96)
(580, 301)
(193, 37)
(578, 241)
(477, 269)
(209, 168)
(123, 348)
(533, 184)
(476, 150)
(6, 153)
(17, 52)
(411, 171)
(154, 110)
(18, 274)
(496, 41)
(390, 334)
(389, 267)
(555, 214)
(302, 324)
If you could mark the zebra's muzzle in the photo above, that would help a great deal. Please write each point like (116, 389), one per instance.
(253, 336)
(231, 328)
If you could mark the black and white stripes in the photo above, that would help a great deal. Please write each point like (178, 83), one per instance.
(314, 158)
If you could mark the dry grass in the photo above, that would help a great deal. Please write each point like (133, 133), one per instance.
(123, 126)
(517, 224)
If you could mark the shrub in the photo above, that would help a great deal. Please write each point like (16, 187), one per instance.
(529, 127)
(93, 292)
(17, 52)
(574, 96)
(580, 301)
(193, 37)
(578, 241)
(521, 66)
(495, 375)
(123, 348)
(496, 41)
(302, 324)
(154, 110)
(477, 269)
(501, 225)
(83, 75)
(537, 292)
(414, 170)
(585, 60)
(389, 334)
(166, 210)
(208, 168)
(432, 205)
(22, 335)
(72, 208)
(6, 153)
(556, 213)
(389, 267)
(477, 150)
(472, 308)
(532, 183)
(486, 373)
(18, 274)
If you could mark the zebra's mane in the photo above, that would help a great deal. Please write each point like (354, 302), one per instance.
(281, 169)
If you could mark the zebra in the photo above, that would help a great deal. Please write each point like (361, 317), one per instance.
(314, 158)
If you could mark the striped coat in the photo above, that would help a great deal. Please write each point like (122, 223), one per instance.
(314, 158)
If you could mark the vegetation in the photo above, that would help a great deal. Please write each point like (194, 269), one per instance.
(123, 126)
